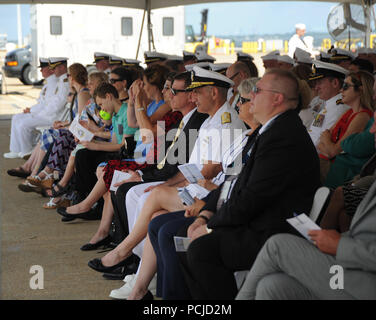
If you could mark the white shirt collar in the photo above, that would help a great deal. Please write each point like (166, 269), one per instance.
(188, 116)
(268, 123)
(334, 99)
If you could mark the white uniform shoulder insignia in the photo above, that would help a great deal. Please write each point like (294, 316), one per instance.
(226, 117)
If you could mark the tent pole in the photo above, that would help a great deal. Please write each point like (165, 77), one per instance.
(148, 4)
(139, 39)
(367, 16)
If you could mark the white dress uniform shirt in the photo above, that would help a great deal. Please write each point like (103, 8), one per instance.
(56, 103)
(296, 42)
(46, 93)
(327, 117)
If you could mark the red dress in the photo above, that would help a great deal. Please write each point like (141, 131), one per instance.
(170, 119)
(342, 125)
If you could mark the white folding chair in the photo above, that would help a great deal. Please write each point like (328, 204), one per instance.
(318, 202)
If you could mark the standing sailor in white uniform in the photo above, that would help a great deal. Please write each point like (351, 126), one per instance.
(32, 113)
(297, 41)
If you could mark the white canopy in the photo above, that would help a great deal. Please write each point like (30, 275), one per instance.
(155, 4)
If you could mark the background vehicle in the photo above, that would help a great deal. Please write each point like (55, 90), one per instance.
(17, 64)
(200, 43)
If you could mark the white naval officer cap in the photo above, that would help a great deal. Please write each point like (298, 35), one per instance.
(244, 56)
(273, 55)
(219, 67)
(130, 62)
(302, 56)
(154, 56)
(115, 60)
(202, 78)
(174, 57)
(286, 59)
(98, 56)
(339, 54)
(53, 62)
(203, 65)
(188, 56)
(43, 62)
(300, 26)
(203, 57)
(322, 69)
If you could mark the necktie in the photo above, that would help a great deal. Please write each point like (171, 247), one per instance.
(162, 163)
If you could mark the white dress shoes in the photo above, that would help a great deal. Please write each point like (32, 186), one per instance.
(11, 155)
(130, 280)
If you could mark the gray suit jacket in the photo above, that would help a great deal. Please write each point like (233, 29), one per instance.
(356, 251)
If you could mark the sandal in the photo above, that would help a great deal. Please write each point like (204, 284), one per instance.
(61, 190)
(18, 172)
(45, 183)
(63, 202)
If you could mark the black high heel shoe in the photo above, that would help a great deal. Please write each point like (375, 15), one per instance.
(94, 246)
(97, 265)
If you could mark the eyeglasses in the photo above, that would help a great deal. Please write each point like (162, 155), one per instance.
(346, 86)
(257, 90)
(243, 100)
(233, 76)
(166, 87)
(112, 81)
(176, 91)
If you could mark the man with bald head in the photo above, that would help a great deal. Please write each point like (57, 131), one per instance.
(237, 72)
(279, 178)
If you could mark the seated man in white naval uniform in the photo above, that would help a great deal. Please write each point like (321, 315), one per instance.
(31, 115)
(329, 79)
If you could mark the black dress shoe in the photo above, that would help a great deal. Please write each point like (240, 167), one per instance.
(88, 215)
(121, 272)
(94, 246)
(97, 265)
(18, 173)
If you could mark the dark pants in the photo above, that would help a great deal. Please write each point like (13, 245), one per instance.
(171, 284)
(86, 163)
(120, 211)
(207, 275)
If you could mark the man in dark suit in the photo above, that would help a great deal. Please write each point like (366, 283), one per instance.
(279, 178)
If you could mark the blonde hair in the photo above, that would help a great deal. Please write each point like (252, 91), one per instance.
(101, 76)
(365, 80)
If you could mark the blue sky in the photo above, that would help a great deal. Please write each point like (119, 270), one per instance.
(237, 18)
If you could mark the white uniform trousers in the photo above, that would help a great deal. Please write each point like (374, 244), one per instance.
(134, 202)
(22, 131)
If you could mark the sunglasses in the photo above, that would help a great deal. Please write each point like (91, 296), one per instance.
(257, 90)
(112, 81)
(233, 76)
(243, 100)
(346, 86)
(176, 91)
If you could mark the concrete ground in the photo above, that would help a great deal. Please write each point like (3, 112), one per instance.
(33, 236)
